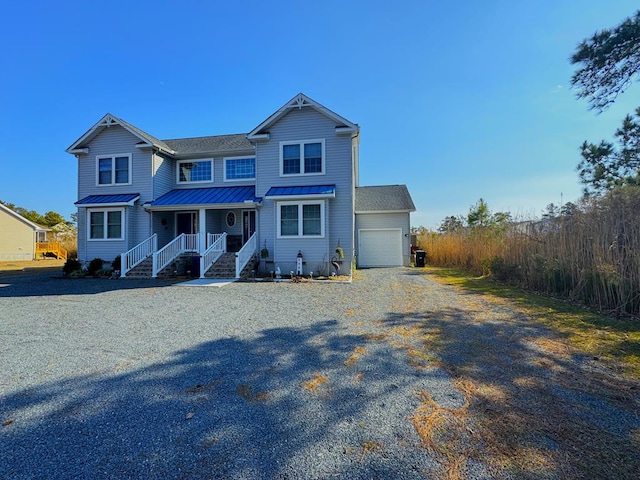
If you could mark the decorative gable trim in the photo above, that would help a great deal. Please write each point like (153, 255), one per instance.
(300, 101)
(79, 147)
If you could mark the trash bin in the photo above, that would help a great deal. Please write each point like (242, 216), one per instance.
(421, 256)
(195, 266)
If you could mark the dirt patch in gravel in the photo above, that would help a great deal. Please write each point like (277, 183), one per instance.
(534, 407)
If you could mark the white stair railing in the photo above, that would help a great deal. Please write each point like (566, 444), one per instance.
(191, 242)
(166, 254)
(137, 254)
(245, 253)
(215, 251)
(213, 237)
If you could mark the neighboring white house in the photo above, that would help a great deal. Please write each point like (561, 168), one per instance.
(18, 236)
(289, 187)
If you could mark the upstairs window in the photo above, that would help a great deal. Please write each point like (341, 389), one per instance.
(194, 171)
(302, 158)
(239, 168)
(113, 170)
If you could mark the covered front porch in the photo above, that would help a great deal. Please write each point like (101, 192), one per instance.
(205, 222)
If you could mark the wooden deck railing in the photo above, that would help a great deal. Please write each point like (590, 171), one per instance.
(51, 248)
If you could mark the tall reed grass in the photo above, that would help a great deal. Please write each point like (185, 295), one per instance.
(591, 256)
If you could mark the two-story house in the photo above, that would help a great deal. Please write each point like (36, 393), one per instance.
(287, 189)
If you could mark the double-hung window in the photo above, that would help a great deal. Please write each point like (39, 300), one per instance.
(194, 171)
(301, 219)
(113, 169)
(106, 224)
(302, 158)
(239, 168)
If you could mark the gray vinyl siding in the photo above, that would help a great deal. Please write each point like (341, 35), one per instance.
(298, 125)
(112, 141)
(384, 221)
(163, 175)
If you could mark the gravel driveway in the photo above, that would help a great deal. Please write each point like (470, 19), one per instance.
(391, 377)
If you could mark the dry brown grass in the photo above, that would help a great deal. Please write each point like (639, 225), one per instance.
(591, 257)
(355, 356)
(317, 384)
(19, 265)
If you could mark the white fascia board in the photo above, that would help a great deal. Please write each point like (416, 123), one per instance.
(365, 212)
(258, 137)
(109, 205)
(300, 101)
(303, 197)
(79, 151)
(205, 206)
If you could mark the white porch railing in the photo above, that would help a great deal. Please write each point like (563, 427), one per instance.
(137, 254)
(181, 244)
(217, 246)
(214, 237)
(246, 252)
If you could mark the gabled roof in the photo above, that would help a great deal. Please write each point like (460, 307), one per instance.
(146, 140)
(383, 198)
(206, 196)
(16, 215)
(300, 101)
(121, 199)
(178, 147)
(316, 191)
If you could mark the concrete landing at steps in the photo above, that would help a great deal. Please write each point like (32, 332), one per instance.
(207, 282)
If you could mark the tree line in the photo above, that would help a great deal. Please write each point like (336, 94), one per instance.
(588, 251)
(48, 219)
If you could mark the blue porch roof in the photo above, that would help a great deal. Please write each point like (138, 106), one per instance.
(302, 191)
(120, 199)
(206, 196)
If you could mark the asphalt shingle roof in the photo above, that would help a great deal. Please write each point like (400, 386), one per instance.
(204, 145)
(391, 198)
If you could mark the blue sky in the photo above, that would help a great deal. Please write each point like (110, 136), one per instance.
(458, 100)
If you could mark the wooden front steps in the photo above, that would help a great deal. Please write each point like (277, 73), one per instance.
(44, 249)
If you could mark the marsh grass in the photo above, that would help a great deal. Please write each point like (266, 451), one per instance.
(591, 256)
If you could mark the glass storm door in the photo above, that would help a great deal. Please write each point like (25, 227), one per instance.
(248, 224)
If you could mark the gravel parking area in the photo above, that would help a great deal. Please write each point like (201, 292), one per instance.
(142, 379)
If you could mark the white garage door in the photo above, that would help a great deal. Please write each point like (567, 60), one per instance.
(380, 248)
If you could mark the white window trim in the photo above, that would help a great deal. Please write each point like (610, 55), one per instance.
(106, 216)
(300, 219)
(302, 143)
(224, 167)
(113, 170)
(194, 160)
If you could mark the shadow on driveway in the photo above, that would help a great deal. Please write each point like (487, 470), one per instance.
(282, 405)
(47, 281)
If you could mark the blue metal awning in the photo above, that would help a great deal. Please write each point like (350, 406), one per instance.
(317, 191)
(207, 196)
(108, 200)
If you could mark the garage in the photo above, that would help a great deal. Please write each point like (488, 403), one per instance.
(380, 247)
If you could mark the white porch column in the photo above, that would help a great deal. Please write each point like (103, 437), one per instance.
(202, 230)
